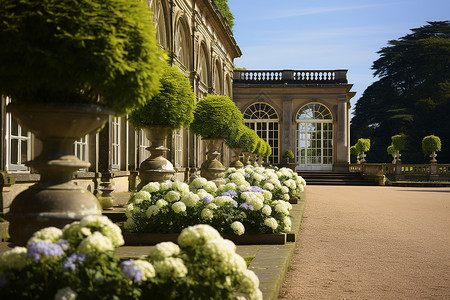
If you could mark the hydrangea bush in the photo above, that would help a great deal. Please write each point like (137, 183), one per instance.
(254, 200)
(79, 262)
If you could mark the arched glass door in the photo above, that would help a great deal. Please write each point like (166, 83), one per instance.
(314, 147)
(263, 119)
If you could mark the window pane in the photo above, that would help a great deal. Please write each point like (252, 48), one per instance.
(23, 152)
(14, 151)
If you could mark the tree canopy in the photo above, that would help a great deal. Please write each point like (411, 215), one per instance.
(225, 10)
(411, 95)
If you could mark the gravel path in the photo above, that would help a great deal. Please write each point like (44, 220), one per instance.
(372, 243)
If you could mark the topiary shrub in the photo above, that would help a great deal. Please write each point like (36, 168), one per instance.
(354, 151)
(431, 144)
(288, 154)
(233, 138)
(248, 140)
(215, 117)
(399, 142)
(363, 145)
(172, 106)
(93, 51)
(391, 150)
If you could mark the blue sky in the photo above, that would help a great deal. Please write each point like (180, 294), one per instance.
(326, 34)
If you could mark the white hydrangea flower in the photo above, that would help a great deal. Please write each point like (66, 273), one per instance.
(181, 187)
(179, 207)
(207, 214)
(249, 282)
(256, 203)
(211, 206)
(166, 185)
(129, 224)
(148, 271)
(114, 233)
(271, 222)
(170, 267)
(238, 228)
(95, 221)
(161, 203)
(96, 242)
(151, 187)
(197, 235)
(65, 294)
(106, 227)
(275, 182)
(172, 196)
(164, 250)
(266, 210)
(258, 177)
(190, 199)
(287, 222)
(203, 194)
(221, 200)
(129, 211)
(198, 183)
(284, 189)
(268, 186)
(218, 251)
(282, 208)
(142, 195)
(267, 195)
(238, 179)
(49, 234)
(286, 197)
(15, 258)
(210, 187)
(152, 210)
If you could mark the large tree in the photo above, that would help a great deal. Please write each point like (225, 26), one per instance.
(411, 95)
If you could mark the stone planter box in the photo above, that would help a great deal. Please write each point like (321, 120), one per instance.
(148, 239)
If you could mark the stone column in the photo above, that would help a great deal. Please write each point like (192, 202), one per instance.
(342, 145)
(287, 136)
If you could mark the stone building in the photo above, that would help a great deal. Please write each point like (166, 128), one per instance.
(200, 43)
(304, 111)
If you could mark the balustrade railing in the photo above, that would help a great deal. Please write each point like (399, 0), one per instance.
(434, 172)
(291, 76)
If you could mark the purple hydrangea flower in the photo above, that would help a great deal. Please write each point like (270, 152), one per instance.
(244, 205)
(131, 271)
(247, 175)
(229, 193)
(234, 203)
(250, 207)
(255, 189)
(75, 258)
(64, 244)
(207, 199)
(39, 249)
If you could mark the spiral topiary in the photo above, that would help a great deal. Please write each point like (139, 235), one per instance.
(172, 106)
(93, 51)
(215, 117)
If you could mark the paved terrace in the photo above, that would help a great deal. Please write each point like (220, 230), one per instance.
(357, 243)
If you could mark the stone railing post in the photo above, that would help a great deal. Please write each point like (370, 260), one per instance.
(434, 171)
(287, 75)
(398, 172)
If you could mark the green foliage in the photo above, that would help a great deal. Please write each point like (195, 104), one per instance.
(260, 147)
(363, 145)
(225, 10)
(431, 144)
(248, 140)
(268, 150)
(391, 149)
(216, 117)
(399, 142)
(93, 51)
(173, 106)
(412, 95)
(288, 154)
(354, 151)
(233, 139)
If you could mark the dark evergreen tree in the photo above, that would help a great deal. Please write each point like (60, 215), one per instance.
(411, 96)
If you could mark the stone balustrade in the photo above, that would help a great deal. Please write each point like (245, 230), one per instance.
(415, 172)
(291, 76)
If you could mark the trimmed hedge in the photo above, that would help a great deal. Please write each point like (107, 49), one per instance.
(173, 106)
(430, 144)
(216, 117)
(93, 51)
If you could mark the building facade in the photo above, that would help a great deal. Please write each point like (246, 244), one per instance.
(199, 41)
(304, 111)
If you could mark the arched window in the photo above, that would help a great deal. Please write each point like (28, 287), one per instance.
(263, 119)
(314, 148)
(218, 79)
(203, 69)
(159, 19)
(182, 44)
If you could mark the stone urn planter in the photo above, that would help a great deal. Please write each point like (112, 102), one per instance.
(212, 169)
(236, 163)
(247, 156)
(156, 167)
(55, 200)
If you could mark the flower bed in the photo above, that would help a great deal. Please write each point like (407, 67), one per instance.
(80, 262)
(253, 201)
